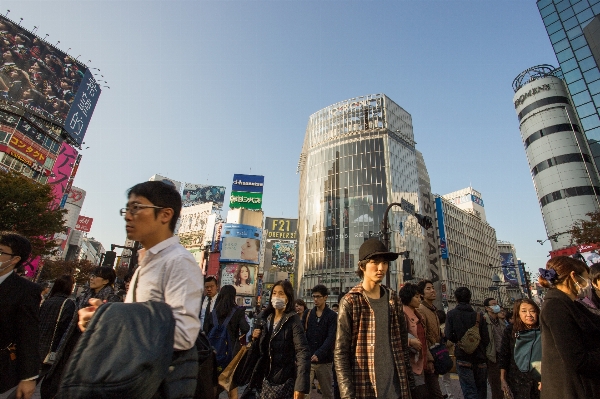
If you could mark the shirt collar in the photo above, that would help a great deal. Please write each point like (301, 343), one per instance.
(157, 248)
(2, 278)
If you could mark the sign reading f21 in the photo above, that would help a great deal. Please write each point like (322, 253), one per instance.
(82, 108)
(248, 183)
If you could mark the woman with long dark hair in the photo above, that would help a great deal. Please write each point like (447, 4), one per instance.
(570, 333)
(55, 315)
(283, 370)
(521, 385)
(237, 327)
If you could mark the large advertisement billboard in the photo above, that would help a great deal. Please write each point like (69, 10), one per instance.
(84, 224)
(242, 276)
(281, 244)
(45, 80)
(239, 199)
(194, 194)
(240, 243)
(248, 183)
(441, 228)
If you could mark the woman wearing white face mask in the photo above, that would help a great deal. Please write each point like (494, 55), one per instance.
(570, 333)
(284, 367)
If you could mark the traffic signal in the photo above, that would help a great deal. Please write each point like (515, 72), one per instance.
(425, 221)
(109, 258)
(408, 269)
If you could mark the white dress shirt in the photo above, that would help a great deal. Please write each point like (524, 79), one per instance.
(168, 273)
(204, 305)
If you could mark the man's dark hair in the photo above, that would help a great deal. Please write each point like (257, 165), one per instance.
(441, 316)
(321, 289)
(160, 194)
(19, 245)
(407, 293)
(486, 301)
(422, 284)
(360, 272)
(595, 273)
(107, 273)
(211, 278)
(462, 295)
(62, 285)
(335, 306)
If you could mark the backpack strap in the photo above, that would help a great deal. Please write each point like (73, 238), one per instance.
(227, 320)
(306, 320)
(477, 319)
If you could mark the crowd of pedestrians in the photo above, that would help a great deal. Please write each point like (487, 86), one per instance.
(375, 343)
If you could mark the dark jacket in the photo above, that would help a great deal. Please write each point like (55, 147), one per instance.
(522, 385)
(284, 353)
(238, 326)
(321, 334)
(570, 349)
(458, 321)
(49, 322)
(141, 349)
(19, 307)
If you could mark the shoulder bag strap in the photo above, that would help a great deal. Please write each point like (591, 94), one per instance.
(478, 318)
(306, 320)
(56, 325)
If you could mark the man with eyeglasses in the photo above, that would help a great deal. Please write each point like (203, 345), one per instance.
(167, 272)
(19, 332)
(321, 326)
(372, 358)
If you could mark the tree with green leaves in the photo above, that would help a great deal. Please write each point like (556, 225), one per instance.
(26, 210)
(587, 231)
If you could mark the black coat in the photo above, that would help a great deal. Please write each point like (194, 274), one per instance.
(284, 353)
(50, 323)
(522, 385)
(458, 321)
(321, 334)
(570, 349)
(19, 325)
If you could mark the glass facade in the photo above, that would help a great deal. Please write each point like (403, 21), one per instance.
(358, 156)
(565, 22)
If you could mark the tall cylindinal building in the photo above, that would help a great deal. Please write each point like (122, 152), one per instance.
(561, 163)
(573, 29)
(358, 156)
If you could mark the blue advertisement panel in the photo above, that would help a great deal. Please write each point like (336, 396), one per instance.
(82, 108)
(240, 243)
(522, 273)
(441, 228)
(248, 183)
(509, 268)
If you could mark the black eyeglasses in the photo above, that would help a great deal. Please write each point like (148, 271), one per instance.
(6, 253)
(317, 296)
(135, 208)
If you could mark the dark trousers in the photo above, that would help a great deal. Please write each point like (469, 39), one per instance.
(494, 379)
(473, 379)
(181, 381)
(432, 381)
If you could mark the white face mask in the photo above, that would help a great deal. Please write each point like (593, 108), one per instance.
(278, 303)
(495, 308)
(584, 292)
(5, 265)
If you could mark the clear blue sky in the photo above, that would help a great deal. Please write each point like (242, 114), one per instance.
(200, 90)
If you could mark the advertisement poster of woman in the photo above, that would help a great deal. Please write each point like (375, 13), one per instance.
(236, 249)
(241, 276)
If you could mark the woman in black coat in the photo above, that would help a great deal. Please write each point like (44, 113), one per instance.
(570, 333)
(521, 385)
(55, 315)
(283, 370)
(237, 326)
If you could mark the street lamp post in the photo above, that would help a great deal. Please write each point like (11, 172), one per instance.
(424, 221)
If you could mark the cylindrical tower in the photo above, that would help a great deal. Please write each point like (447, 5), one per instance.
(565, 178)
(358, 156)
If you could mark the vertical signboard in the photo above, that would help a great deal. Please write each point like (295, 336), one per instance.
(61, 172)
(246, 192)
(281, 243)
(441, 228)
(509, 268)
(82, 108)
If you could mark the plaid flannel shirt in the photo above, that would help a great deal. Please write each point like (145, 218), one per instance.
(355, 345)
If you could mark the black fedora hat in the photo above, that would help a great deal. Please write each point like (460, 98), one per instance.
(374, 248)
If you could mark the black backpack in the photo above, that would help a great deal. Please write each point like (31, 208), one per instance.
(125, 352)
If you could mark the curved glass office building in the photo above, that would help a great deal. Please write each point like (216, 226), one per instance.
(358, 156)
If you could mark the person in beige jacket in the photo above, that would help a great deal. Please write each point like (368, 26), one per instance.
(432, 334)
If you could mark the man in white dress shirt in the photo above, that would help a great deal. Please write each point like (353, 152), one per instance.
(211, 293)
(167, 272)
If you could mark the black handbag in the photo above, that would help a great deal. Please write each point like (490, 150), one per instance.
(245, 368)
(207, 386)
(442, 362)
(8, 368)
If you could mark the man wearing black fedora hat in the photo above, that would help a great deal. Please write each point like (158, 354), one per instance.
(370, 323)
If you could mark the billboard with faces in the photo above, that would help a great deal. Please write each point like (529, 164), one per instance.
(241, 276)
(45, 80)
